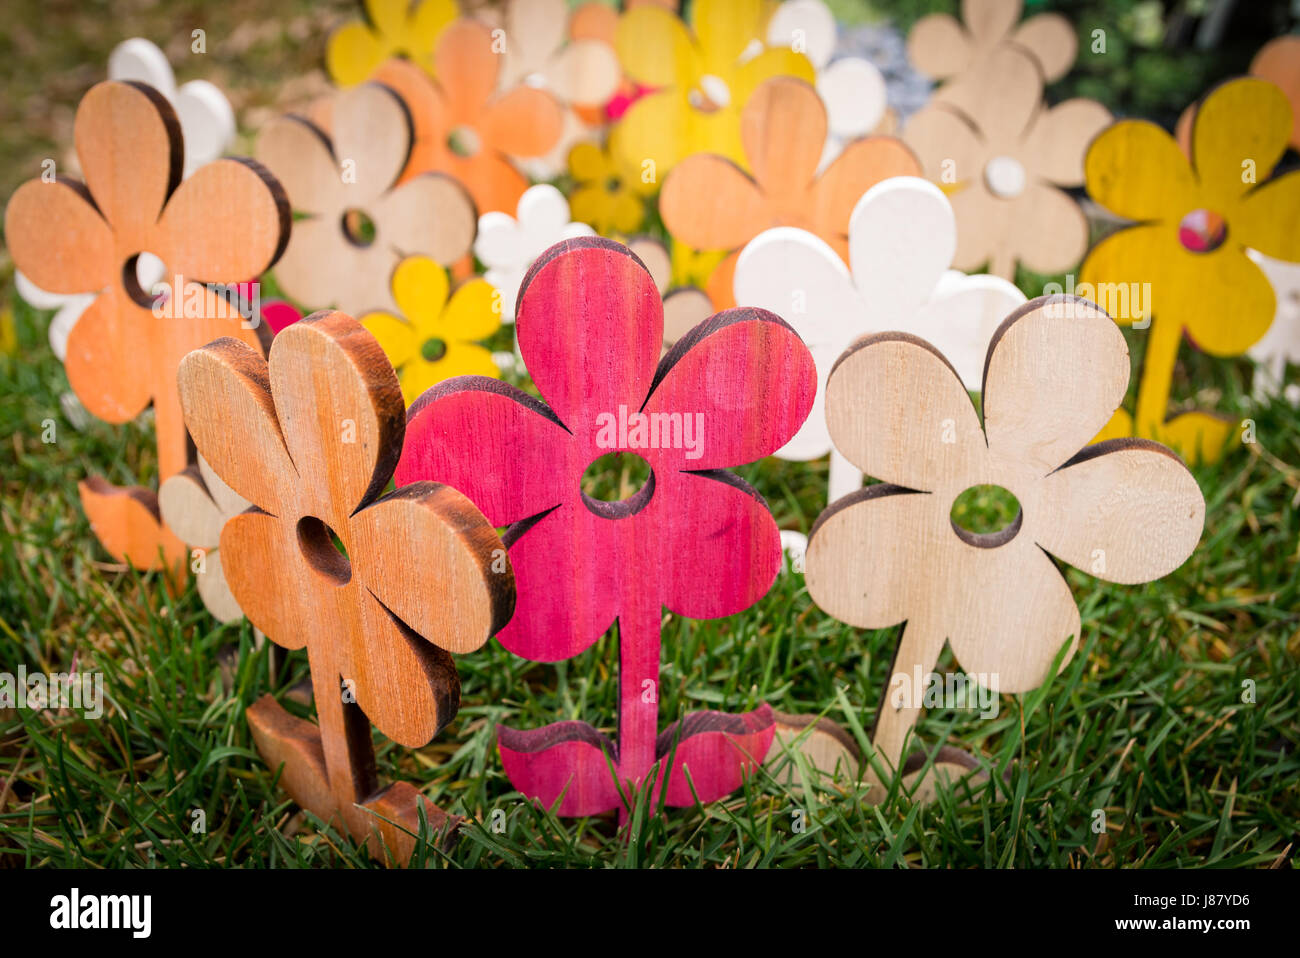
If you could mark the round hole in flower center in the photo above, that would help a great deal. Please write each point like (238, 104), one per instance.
(358, 227)
(617, 484)
(612, 184)
(1202, 231)
(433, 349)
(1005, 177)
(985, 516)
(323, 550)
(464, 141)
(144, 278)
(710, 95)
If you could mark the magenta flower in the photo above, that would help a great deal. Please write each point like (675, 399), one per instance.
(695, 538)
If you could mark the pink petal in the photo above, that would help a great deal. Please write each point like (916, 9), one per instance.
(568, 758)
(716, 750)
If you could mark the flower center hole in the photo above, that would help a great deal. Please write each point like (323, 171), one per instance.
(1202, 231)
(143, 278)
(711, 95)
(617, 484)
(433, 350)
(358, 227)
(985, 516)
(1005, 177)
(464, 141)
(324, 550)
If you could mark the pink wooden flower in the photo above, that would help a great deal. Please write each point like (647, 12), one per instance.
(695, 538)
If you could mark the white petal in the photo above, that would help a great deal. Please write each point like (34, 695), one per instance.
(854, 93)
(807, 26)
(902, 236)
(207, 122)
(139, 59)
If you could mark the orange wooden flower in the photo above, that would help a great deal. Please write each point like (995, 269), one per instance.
(710, 203)
(468, 128)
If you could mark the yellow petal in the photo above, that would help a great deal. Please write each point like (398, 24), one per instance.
(628, 212)
(467, 359)
(420, 289)
(656, 49)
(1268, 219)
(657, 130)
(778, 61)
(388, 18)
(424, 28)
(1135, 169)
(593, 205)
(352, 53)
(396, 337)
(589, 164)
(724, 28)
(473, 313)
(1241, 127)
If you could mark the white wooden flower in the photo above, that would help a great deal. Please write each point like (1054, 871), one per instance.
(1281, 344)
(207, 128)
(902, 236)
(508, 245)
(852, 88)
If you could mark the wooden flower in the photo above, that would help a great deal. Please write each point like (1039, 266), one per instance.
(901, 239)
(224, 224)
(708, 203)
(379, 590)
(196, 505)
(1195, 222)
(694, 538)
(347, 180)
(956, 51)
(603, 196)
(701, 76)
(435, 336)
(1278, 62)
(469, 126)
(508, 245)
(685, 307)
(1002, 156)
(1126, 511)
(390, 28)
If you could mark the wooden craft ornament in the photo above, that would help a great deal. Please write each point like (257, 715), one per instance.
(226, 223)
(310, 439)
(694, 538)
(348, 178)
(1003, 156)
(435, 335)
(1126, 511)
(1186, 263)
(708, 203)
(613, 204)
(466, 125)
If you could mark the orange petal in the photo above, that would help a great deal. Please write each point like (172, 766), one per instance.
(58, 239)
(708, 203)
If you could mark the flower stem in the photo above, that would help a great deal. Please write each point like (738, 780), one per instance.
(844, 477)
(1157, 377)
(345, 739)
(638, 691)
(900, 702)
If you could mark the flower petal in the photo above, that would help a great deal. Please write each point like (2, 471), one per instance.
(299, 155)
(246, 193)
(748, 380)
(655, 133)
(1266, 218)
(260, 552)
(1243, 119)
(340, 409)
(225, 392)
(902, 236)
(1001, 94)
(1134, 168)
(586, 73)
(420, 287)
(485, 437)
(1058, 142)
(990, 20)
(352, 53)
(724, 29)
(569, 759)
(939, 135)
(189, 511)
(589, 164)
(448, 549)
(708, 202)
(473, 312)
(1203, 285)
(860, 166)
(898, 411)
(863, 554)
(321, 268)
(712, 754)
(372, 137)
(772, 62)
(962, 317)
(783, 127)
(1126, 511)
(1047, 230)
(121, 119)
(525, 122)
(655, 48)
(1126, 259)
(590, 326)
(395, 335)
(215, 590)
(939, 46)
(467, 68)
(229, 502)
(1057, 370)
(1053, 42)
(104, 341)
(58, 239)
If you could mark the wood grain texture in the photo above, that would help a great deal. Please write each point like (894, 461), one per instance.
(356, 172)
(1126, 511)
(378, 590)
(1186, 260)
(710, 203)
(694, 538)
(949, 50)
(225, 224)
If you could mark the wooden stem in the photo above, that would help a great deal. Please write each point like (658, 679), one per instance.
(345, 739)
(844, 477)
(918, 648)
(1003, 264)
(1157, 376)
(638, 691)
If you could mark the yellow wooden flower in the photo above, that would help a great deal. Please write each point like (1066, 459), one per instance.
(701, 77)
(1194, 222)
(391, 28)
(603, 197)
(436, 339)
(693, 267)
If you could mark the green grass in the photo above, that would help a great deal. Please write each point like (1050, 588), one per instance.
(1147, 723)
